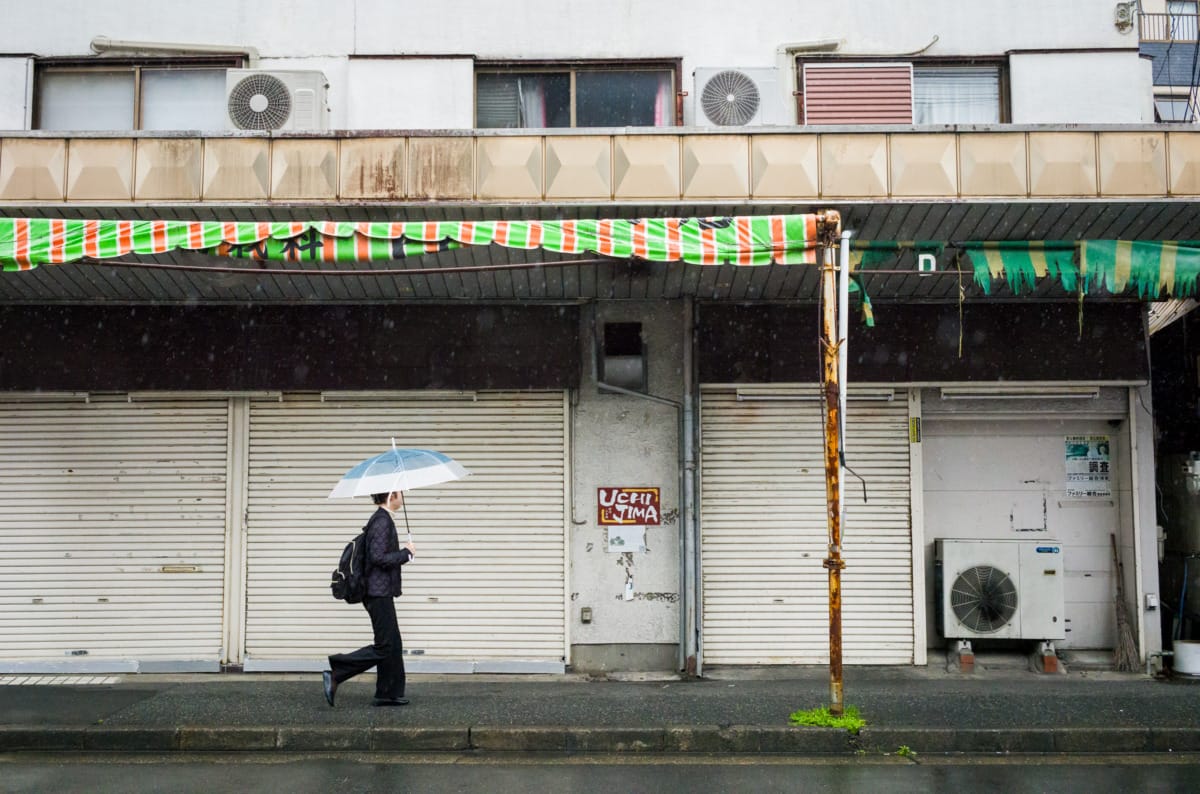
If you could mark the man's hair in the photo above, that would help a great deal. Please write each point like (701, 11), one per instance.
(379, 498)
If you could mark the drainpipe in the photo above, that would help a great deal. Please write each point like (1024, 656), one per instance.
(689, 606)
(682, 443)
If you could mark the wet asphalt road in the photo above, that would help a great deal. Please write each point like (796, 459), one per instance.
(607, 774)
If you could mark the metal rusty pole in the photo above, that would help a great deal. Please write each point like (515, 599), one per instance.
(829, 229)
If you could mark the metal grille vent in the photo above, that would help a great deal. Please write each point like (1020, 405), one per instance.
(730, 99)
(983, 598)
(260, 102)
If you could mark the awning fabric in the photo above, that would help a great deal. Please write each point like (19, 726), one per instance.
(1152, 270)
(1023, 263)
(748, 240)
(866, 254)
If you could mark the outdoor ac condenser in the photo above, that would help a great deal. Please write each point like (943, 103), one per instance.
(728, 97)
(261, 99)
(1000, 589)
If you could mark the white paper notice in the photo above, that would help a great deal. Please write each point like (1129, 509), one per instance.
(622, 539)
(1087, 459)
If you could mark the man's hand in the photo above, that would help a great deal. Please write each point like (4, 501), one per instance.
(411, 548)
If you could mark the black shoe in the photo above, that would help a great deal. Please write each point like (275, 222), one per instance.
(389, 702)
(330, 686)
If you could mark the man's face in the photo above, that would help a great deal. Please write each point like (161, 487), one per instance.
(395, 500)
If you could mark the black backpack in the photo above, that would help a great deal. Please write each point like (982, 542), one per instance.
(350, 579)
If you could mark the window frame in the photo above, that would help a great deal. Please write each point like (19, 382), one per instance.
(571, 67)
(1192, 117)
(1000, 63)
(133, 65)
(1183, 22)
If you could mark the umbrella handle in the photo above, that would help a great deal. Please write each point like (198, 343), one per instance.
(404, 507)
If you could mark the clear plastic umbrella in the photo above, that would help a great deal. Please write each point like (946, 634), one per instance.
(398, 469)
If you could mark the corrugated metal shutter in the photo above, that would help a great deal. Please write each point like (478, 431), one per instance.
(764, 534)
(847, 93)
(487, 590)
(112, 530)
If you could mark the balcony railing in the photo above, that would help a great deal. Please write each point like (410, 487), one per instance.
(1168, 27)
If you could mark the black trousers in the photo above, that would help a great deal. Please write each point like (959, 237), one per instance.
(386, 654)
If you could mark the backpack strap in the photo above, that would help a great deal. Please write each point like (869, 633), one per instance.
(367, 549)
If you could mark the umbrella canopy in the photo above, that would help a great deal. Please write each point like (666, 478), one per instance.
(398, 470)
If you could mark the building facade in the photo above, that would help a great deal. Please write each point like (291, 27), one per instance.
(172, 419)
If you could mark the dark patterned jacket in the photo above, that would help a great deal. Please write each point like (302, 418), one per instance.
(384, 555)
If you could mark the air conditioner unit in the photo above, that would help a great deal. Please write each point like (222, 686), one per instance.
(739, 98)
(999, 589)
(260, 99)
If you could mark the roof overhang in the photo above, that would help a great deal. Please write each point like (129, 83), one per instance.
(904, 184)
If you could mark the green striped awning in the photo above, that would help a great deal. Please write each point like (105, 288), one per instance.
(747, 240)
(1151, 270)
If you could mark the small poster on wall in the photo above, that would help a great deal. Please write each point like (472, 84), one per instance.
(626, 539)
(1088, 472)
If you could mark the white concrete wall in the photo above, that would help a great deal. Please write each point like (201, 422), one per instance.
(627, 441)
(303, 34)
(1081, 88)
(569, 28)
(1145, 557)
(410, 93)
(1004, 480)
(15, 83)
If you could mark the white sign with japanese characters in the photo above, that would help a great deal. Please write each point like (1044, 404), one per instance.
(1088, 473)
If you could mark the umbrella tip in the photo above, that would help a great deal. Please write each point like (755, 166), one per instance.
(393, 443)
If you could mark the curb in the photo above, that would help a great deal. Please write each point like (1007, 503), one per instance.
(735, 739)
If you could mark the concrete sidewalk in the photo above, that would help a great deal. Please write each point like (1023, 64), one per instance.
(926, 709)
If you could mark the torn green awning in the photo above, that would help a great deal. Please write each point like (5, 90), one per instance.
(1150, 269)
(1167, 268)
(1023, 263)
(745, 240)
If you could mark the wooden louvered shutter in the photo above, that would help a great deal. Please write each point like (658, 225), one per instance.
(857, 93)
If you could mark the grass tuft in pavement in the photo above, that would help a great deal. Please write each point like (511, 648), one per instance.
(850, 720)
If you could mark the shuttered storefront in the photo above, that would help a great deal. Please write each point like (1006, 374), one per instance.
(112, 522)
(487, 589)
(764, 534)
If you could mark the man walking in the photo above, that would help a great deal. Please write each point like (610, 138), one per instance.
(386, 653)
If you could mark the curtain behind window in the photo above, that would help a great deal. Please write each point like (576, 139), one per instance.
(956, 95)
(515, 101)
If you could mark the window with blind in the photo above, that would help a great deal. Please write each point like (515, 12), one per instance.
(575, 97)
(857, 93)
(876, 92)
(956, 95)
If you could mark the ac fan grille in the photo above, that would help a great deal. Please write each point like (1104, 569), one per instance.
(730, 99)
(984, 599)
(260, 102)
